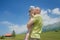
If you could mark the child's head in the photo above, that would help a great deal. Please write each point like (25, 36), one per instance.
(31, 10)
(37, 10)
(34, 10)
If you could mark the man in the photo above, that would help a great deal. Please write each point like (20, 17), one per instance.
(35, 24)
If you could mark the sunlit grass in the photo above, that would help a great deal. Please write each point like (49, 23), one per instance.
(44, 36)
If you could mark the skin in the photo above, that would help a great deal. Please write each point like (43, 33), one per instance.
(37, 11)
(31, 13)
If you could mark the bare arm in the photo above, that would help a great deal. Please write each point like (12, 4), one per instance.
(29, 25)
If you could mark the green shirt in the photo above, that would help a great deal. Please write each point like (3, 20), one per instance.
(37, 27)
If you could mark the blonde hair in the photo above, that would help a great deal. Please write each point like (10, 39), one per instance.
(31, 7)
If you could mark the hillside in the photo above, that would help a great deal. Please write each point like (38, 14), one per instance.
(52, 27)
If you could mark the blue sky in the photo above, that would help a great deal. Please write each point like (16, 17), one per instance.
(15, 12)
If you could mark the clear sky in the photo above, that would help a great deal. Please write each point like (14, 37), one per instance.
(14, 13)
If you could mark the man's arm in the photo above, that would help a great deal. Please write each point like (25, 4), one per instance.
(29, 25)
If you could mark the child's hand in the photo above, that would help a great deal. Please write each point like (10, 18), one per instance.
(32, 15)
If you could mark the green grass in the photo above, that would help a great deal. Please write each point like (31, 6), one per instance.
(44, 36)
(50, 36)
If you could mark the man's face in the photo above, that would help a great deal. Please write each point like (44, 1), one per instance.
(37, 11)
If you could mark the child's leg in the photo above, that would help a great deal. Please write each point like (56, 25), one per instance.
(27, 36)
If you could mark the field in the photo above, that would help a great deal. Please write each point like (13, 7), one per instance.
(44, 36)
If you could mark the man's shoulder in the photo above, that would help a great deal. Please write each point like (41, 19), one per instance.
(37, 16)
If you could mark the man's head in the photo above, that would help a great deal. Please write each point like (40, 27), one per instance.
(37, 10)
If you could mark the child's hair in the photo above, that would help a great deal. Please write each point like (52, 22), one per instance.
(31, 7)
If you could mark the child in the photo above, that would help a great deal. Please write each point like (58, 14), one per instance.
(31, 13)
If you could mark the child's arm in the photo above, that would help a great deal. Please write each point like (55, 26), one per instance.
(33, 15)
(30, 23)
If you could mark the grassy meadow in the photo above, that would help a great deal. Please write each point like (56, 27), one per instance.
(44, 36)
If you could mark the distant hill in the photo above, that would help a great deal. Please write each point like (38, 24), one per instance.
(52, 27)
